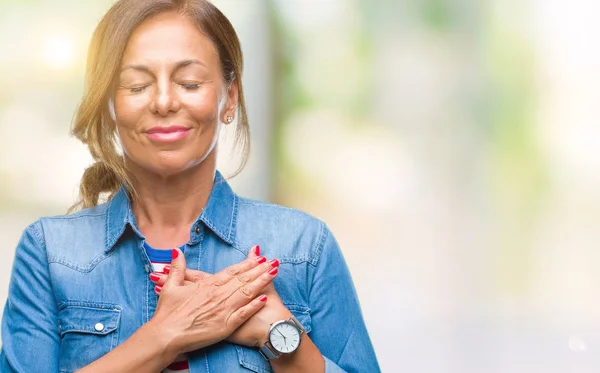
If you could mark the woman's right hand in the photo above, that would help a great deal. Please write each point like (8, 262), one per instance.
(195, 314)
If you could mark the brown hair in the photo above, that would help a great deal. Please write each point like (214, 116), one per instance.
(93, 125)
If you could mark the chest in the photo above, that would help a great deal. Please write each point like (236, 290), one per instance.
(103, 303)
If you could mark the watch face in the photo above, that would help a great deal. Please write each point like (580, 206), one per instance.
(285, 337)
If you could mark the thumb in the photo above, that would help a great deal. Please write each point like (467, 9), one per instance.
(254, 252)
(177, 270)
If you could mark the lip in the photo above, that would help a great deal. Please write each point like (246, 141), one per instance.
(167, 133)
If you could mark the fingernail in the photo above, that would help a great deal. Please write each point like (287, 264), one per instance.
(274, 263)
(257, 250)
(154, 277)
(167, 269)
(157, 288)
(263, 298)
(261, 259)
(175, 254)
(274, 271)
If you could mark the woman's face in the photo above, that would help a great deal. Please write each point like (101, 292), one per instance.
(171, 97)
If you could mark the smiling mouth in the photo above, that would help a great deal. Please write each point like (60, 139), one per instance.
(167, 134)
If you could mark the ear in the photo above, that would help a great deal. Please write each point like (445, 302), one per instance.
(232, 101)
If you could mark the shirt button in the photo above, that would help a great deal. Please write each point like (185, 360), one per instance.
(197, 230)
(99, 327)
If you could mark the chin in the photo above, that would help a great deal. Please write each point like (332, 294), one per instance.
(161, 166)
(167, 164)
(172, 167)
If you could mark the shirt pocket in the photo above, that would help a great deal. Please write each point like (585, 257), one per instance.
(252, 360)
(88, 331)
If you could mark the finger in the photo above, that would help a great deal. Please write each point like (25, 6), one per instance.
(158, 288)
(242, 314)
(231, 272)
(194, 276)
(176, 271)
(251, 275)
(244, 294)
(254, 252)
(158, 278)
(191, 275)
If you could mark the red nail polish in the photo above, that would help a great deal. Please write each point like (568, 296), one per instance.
(154, 277)
(261, 259)
(167, 269)
(274, 263)
(175, 254)
(263, 298)
(274, 271)
(158, 288)
(257, 250)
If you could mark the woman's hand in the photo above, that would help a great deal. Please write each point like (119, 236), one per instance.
(254, 331)
(200, 309)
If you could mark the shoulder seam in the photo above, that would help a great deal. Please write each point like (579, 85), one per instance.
(39, 236)
(75, 216)
(37, 230)
(323, 234)
(273, 205)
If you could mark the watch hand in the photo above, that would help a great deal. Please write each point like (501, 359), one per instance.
(284, 338)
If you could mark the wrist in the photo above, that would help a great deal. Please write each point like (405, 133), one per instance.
(163, 341)
(307, 358)
(263, 334)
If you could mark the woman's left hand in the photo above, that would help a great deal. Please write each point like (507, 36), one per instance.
(255, 331)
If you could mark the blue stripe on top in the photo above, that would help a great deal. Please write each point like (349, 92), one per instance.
(160, 255)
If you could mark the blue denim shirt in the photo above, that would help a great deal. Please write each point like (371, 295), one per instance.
(80, 285)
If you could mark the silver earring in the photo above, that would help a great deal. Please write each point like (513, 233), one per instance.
(229, 119)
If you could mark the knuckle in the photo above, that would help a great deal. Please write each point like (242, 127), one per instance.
(244, 278)
(246, 291)
(233, 271)
(243, 314)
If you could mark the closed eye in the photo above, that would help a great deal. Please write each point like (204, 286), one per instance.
(137, 89)
(190, 87)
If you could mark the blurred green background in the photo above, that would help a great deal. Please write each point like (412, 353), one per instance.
(452, 146)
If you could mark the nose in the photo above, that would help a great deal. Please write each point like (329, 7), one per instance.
(164, 100)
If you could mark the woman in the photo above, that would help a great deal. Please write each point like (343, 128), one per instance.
(96, 291)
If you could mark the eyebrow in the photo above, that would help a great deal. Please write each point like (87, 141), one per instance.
(178, 66)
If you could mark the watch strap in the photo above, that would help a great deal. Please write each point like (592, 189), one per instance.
(268, 352)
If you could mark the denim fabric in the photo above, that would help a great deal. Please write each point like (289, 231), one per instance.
(80, 286)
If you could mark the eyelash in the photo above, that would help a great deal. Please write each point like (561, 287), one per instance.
(137, 89)
(188, 87)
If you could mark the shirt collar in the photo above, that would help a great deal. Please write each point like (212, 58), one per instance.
(219, 215)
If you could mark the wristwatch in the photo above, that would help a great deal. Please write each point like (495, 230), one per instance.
(284, 338)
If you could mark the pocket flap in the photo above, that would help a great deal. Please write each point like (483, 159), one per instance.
(99, 320)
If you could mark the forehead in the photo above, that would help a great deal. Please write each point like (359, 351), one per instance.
(168, 37)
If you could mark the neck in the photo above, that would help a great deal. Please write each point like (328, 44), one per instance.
(166, 207)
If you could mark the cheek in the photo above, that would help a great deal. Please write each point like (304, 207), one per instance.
(203, 108)
(129, 110)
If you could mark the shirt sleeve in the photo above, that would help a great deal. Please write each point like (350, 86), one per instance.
(30, 338)
(338, 327)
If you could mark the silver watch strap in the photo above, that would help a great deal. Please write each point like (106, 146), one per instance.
(298, 324)
(268, 353)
